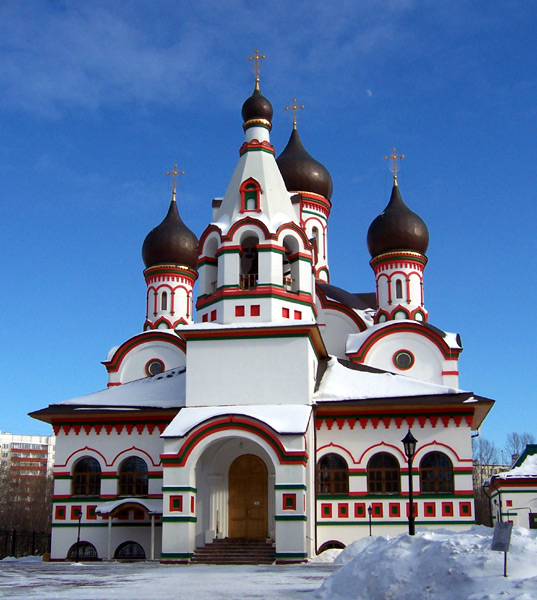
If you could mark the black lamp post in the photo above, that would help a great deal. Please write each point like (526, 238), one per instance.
(409, 444)
(79, 515)
(369, 510)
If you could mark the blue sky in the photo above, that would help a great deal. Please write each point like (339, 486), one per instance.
(98, 99)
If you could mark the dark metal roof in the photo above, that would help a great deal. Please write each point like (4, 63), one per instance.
(301, 172)
(397, 228)
(171, 242)
(256, 107)
(361, 301)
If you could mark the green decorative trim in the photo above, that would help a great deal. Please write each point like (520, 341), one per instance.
(320, 215)
(226, 250)
(290, 486)
(179, 519)
(290, 518)
(365, 522)
(74, 524)
(276, 250)
(179, 488)
(256, 149)
(401, 498)
(291, 555)
(183, 555)
(323, 498)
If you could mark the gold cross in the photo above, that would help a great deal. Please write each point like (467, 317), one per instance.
(257, 65)
(294, 107)
(395, 158)
(174, 174)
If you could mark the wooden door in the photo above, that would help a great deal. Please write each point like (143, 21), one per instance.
(248, 511)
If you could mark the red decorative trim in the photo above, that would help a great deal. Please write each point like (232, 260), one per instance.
(405, 327)
(288, 501)
(234, 422)
(113, 365)
(429, 509)
(450, 372)
(256, 145)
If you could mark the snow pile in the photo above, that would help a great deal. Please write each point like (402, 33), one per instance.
(328, 556)
(438, 564)
(25, 559)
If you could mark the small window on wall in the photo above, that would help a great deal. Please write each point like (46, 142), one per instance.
(399, 289)
(404, 360)
(383, 474)
(164, 301)
(154, 367)
(332, 475)
(250, 192)
(133, 477)
(436, 473)
(86, 478)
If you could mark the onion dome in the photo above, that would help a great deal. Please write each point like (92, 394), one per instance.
(257, 107)
(397, 228)
(171, 242)
(301, 172)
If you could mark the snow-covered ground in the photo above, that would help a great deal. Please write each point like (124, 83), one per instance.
(439, 565)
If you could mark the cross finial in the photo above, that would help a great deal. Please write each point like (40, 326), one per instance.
(174, 174)
(257, 65)
(294, 107)
(393, 156)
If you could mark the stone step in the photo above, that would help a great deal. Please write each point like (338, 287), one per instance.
(235, 551)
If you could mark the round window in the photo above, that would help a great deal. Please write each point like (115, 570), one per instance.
(154, 367)
(403, 360)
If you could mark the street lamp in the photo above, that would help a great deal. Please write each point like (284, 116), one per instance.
(369, 510)
(409, 444)
(79, 515)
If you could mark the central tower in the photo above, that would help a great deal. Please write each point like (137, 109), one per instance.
(256, 261)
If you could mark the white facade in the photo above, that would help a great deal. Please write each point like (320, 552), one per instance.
(278, 412)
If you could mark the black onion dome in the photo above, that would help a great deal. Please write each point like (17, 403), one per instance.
(397, 228)
(257, 107)
(171, 242)
(301, 172)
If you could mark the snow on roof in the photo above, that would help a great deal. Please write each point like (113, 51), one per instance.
(356, 340)
(528, 469)
(166, 390)
(283, 418)
(242, 325)
(153, 506)
(344, 383)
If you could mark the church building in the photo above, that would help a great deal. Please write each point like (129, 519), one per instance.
(267, 405)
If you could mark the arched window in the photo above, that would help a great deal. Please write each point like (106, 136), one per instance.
(249, 264)
(332, 475)
(332, 544)
(291, 265)
(133, 477)
(315, 243)
(250, 195)
(436, 473)
(86, 551)
(164, 301)
(86, 478)
(398, 289)
(383, 474)
(130, 551)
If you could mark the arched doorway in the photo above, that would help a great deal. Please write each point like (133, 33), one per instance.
(248, 510)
